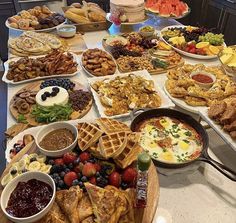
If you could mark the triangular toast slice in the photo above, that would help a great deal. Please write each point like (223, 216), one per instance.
(104, 203)
(85, 207)
(68, 202)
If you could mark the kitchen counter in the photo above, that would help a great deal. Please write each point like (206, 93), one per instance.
(195, 194)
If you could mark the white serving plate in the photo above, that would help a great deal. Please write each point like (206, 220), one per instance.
(182, 104)
(7, 24)
(90, 74)
(218, 128)
(166, 102)
(195, 56)
(34, 131)
(6, 66)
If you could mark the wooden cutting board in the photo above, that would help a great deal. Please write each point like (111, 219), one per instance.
(36, 87)
(141, 215)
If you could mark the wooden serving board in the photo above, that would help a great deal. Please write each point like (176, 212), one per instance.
(36, 87)
(141, 215)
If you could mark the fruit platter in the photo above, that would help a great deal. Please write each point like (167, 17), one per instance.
(49, 101)
(194, 42)
(100, 171)
(39, 18)
(175, 9)
(142, 50)
(54, 64)
(200, 86)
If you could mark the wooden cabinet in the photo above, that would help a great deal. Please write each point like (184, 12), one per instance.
(228, 26)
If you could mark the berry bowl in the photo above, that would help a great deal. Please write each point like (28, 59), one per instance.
(56, 139)
(44, 179)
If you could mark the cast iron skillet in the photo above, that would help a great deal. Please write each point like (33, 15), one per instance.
(140, 115)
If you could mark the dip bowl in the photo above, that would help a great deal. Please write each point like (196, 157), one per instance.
(24, 178)
(51, 127)
(66, 31)
(207, 75)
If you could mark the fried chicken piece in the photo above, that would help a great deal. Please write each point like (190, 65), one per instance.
(193, 101)
(231, 127)
(229, 115)
(233, 134)
(217, 109)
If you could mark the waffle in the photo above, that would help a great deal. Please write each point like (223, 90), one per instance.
(113, 144)
(111, 125)
(130, 152)
(88, 135)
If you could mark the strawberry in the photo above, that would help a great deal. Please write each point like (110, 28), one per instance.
(89, 170)
(59, 161)
(84, 156)
(79, 168)
(115, 179)
(69, 157)
(129, 175)
(93, 180)
(69, 177)
(97, 167)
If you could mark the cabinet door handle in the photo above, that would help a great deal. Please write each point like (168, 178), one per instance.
(218, 24)
(223, 21)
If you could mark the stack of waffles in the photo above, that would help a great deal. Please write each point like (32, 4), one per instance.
(109, 138)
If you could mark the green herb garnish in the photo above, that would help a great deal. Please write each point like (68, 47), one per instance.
(52, 113)
(188, 133)
(21, 119)
(159, 63)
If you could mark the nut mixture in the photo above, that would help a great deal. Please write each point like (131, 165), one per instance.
(123, 94)
(98, 62)
(54, 63)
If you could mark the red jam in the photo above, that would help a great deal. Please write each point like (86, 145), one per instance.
(202, 78)
(29, 198)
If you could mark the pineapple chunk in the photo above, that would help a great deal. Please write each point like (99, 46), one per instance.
(226, 58)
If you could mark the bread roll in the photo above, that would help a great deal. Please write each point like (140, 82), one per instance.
(76, 18)
(77, 11)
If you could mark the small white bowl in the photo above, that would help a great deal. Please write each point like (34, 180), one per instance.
(23, 178)
(204, 85)
(66, 31)
(48, 128)
(111, 41)
(145, 33)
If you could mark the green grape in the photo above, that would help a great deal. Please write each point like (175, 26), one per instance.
(214, 39)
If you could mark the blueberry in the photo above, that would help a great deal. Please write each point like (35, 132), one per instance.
(97, 174)
(81, 184)
(18, 149)
(62, 174)
(15, 145)
(58, 178)
(99, 179)
(43, 97)
(70, 166)
(53, 94)
(124, 185)
(55, 89)
(75, 182)
(67, 170)
(55, 175)
(56, 181)
(91, 160)
(47, 93)
(64, 166)
(79, 175)
(61, 184)
(106, 176)
(84, 179)
(76, 161)
(55, 169)
(51, 162)
(33, 159)
(13, 172)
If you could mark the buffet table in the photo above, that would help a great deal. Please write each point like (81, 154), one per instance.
(198, 193)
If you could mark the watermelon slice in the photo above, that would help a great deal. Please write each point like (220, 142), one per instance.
(165, 11)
